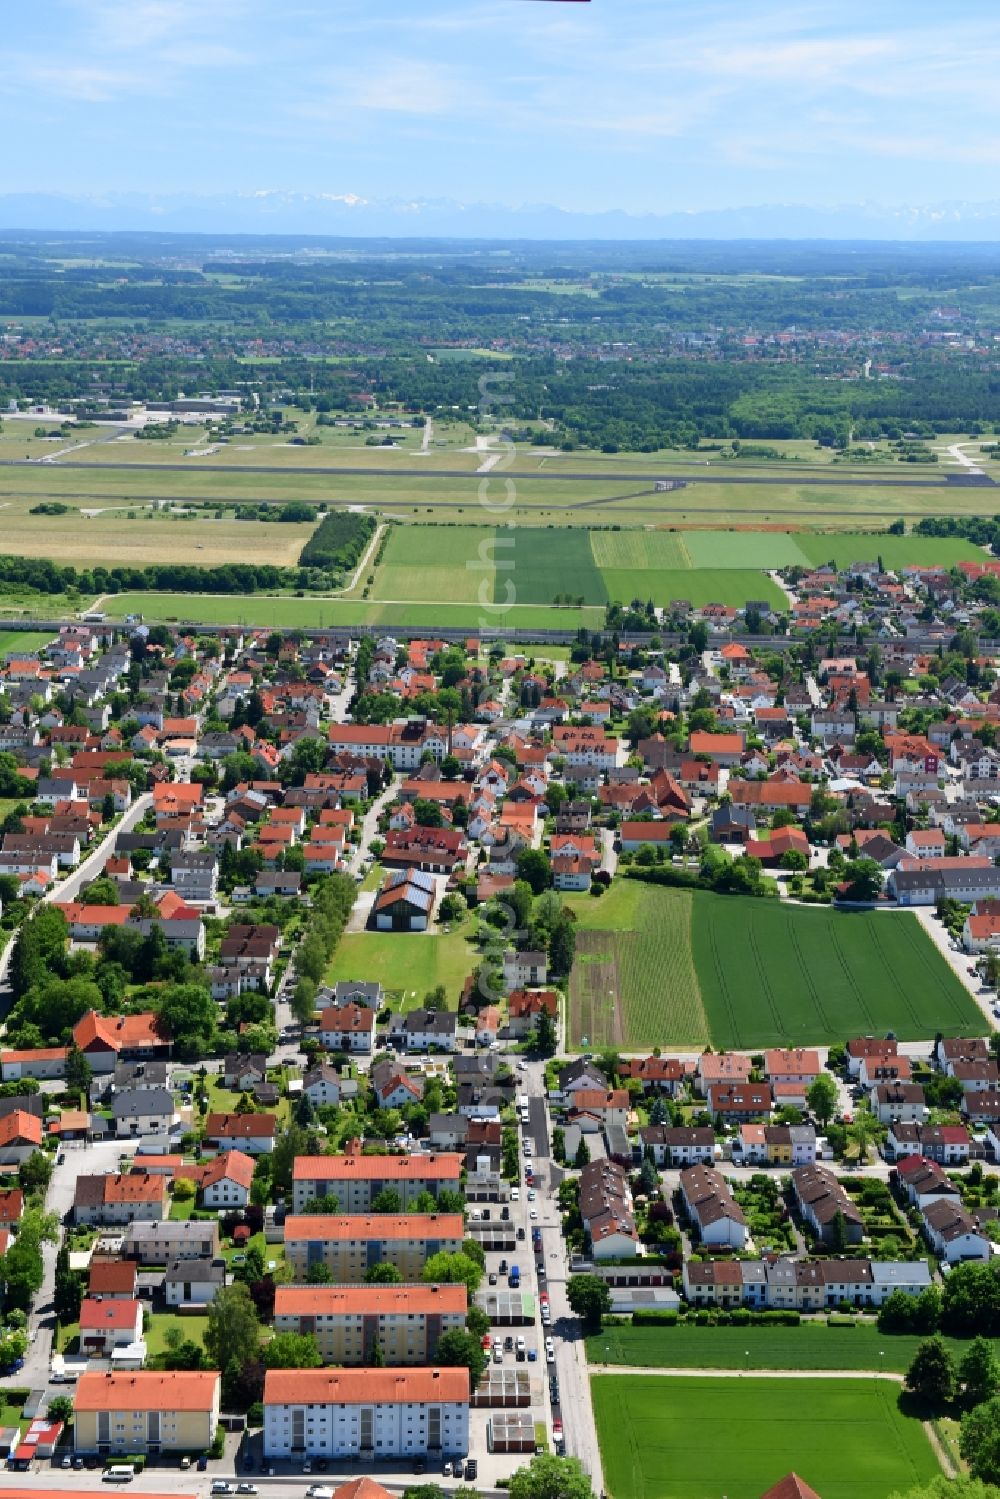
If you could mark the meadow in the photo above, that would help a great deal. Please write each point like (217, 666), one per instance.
(682, 968)
(813, 1345)
(698, 1438)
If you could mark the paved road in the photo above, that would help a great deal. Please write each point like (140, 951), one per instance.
(90, 867)
(575, 1408)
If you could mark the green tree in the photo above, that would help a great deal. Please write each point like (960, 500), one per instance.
(445, 1268)
(546, 1036)
(303, 1001)
(460, 1349)
(79, 1073)
(60, 1408)
(291, 1142)
(979, 1372)
(549, 1477)
(932, 1376)
(68, 1289)
(534, 867)
(970, 1301)
(383, 1274)
(35, 1173)
(979, 1441)
(949, 1488)
(188, 1015)
(589, 1297)
(291, 1350)
(387, 1201)
(232, 1330)
(821, 1097)
(582, 1157)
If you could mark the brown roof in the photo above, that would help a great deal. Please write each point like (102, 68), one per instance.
(791, 1487)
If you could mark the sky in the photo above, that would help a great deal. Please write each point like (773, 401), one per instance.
(645, 106)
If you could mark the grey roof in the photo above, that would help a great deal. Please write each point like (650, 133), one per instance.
(199, 1268)
(900, 1272)
(132, 1102)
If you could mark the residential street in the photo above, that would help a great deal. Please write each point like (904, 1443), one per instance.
(80, 1160)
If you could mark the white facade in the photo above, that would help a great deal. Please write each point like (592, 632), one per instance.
(382, 1428)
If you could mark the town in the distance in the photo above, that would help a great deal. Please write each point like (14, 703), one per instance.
(410, 1041)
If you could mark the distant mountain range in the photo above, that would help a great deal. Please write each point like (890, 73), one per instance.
(281, 213)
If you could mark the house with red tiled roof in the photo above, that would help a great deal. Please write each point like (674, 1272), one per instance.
(252, 1133)
(105, 1040)
(107, 1324)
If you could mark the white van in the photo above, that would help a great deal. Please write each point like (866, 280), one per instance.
(119, 1473)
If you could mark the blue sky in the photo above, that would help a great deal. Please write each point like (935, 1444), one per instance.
(642, 105)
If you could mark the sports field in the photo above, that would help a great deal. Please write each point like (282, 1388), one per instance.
(813, 1345)
(682, 968)
(23, 642)
(699, 1438)
(408, 964)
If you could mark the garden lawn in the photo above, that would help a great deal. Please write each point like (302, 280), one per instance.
(408, 964)
(774, 974)
(813, 1345)
(191, 1328)
(699, 1438)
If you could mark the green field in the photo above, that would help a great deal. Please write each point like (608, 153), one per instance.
(682, 968)
(763, 549)
(23, 642)
(633, 979)
(813, 1345)
(287, 612)
(699, 1438)
(408, 964)
(895, 551)
(773, 974)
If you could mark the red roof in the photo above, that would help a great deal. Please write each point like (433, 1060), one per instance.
(116, 1312)
(148, 1390)
(20, 1128)
(93, 1031)
(365, 1386)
